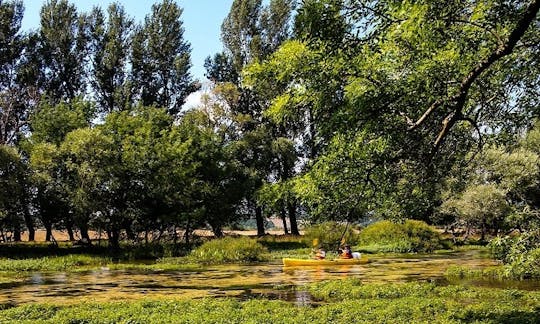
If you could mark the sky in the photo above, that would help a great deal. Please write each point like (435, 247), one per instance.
(202, 22)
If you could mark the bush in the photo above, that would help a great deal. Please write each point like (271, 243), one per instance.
(411, 236)
(500, 247)
(526, 266)
(520, 254)
(329, 235)
(229, 250)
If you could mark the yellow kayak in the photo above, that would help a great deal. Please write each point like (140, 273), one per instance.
(288, 262)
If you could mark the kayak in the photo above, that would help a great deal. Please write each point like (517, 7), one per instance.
(288, 262)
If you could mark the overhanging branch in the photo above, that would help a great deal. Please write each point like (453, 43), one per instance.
(457, 102)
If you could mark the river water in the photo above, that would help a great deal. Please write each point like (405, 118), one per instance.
(243, 281)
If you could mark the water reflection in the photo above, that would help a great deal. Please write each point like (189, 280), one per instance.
(270, 281)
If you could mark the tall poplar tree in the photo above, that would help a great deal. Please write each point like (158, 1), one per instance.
(161, 59)
(110, 49)
(62, 50)
(251, 32)
(13, 113)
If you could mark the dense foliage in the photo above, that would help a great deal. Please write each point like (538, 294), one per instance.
(330, 235)
(323, 109)
(230, 250)
(410, 236)
(520, 254)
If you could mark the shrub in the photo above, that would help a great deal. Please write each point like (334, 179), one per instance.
(229, 250)
(521, 254)
(501, 247)
(411, 236)
(526, 266)
(329, 235)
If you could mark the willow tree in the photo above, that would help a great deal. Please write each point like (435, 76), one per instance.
(398, 92)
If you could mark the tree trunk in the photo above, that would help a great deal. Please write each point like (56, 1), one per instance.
(29, 224)
(292, 217)
(114, 239)
(483, 234)
(84, 232)
(48, 232)
(16, 235)
(217, 230)
(69, 228)
(260, 221)
(284, 218)
(188, 229)
(129, 231)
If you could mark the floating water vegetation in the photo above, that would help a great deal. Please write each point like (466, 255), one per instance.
(55, 263)
(345, 301)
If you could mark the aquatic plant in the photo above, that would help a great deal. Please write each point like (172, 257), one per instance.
(353, 302)
(55, 263)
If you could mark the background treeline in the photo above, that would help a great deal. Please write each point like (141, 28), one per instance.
(340, 110)
(93, 136)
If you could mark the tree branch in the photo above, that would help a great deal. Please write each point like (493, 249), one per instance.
(457, 102)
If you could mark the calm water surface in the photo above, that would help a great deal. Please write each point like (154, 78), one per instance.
(243, 281)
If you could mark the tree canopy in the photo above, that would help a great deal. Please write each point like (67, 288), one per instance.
(334, 110)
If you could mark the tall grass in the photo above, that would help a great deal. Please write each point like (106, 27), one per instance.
(229, 250)
(55, 263)
(410, 236)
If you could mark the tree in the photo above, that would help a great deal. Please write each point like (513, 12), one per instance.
(50, 124)
(13, 112)
(110, 46)
(482, 206)
(49, 178)
(403, 74)
(88, 155)
(251, 32)
(505, 179)
(161, 59)
(221, 178)
(63, 44)
(13, 196)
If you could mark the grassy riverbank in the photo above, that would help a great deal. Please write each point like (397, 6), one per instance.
(332, 301)
(343, 301)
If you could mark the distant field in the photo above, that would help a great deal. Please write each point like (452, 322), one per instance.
(63, 236)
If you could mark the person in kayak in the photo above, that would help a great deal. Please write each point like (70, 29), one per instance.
(321, 254)
(346, 252)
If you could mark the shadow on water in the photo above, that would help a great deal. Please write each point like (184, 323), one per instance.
(269, 281)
